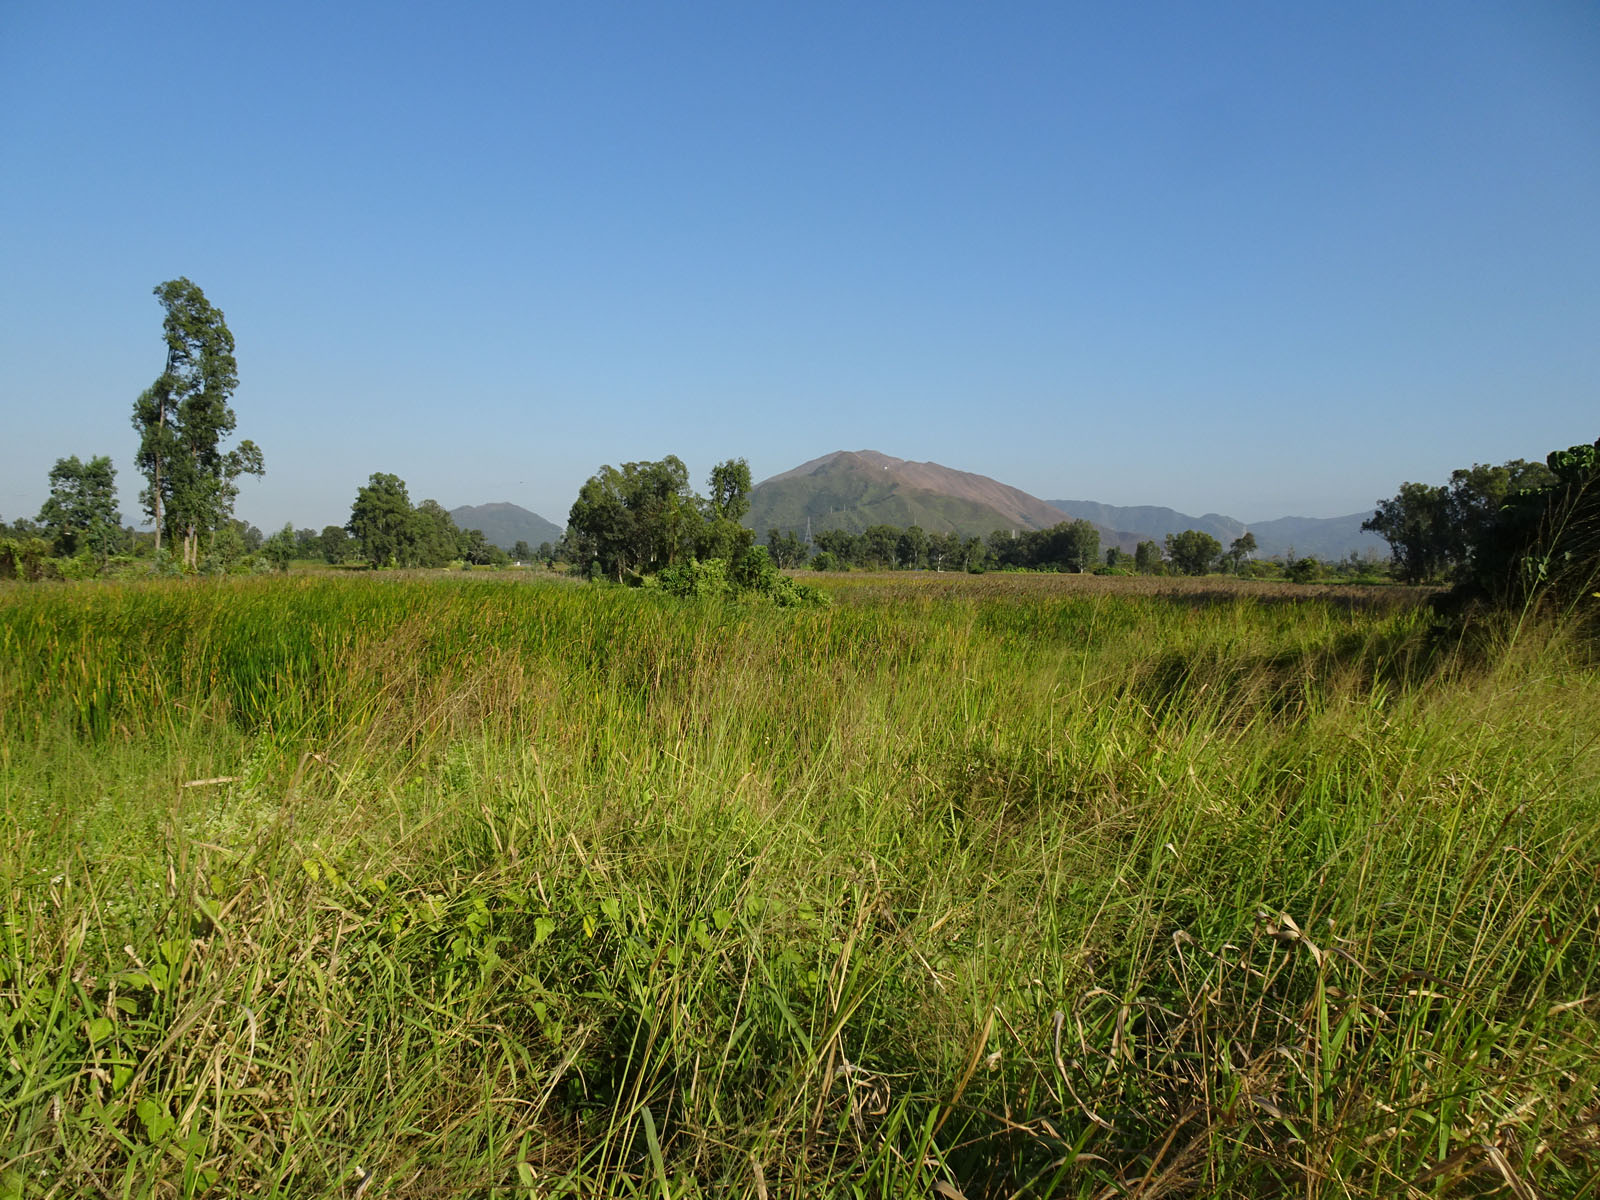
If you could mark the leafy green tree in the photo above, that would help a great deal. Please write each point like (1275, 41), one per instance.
(307, 543)
(911, 548)
(840, 543)
(81, 512)
(1436, 532)
(226, 550)
(249, 536)
(522, 552)
(753, 570)
(1005, 548)
(1545, 539)
(973, 555)
(1115, 556)
(1070, 546)
(878, 546)
(730, 489)
(182, 418)
(435, 539)
(1415, 522)
(1474, 499)
(722, 535)
(1193, 551)
(381, 521)
(1240, 550)
(718, 537)
(281, 548)
(638, 519)
(335, 546)
(786, 547)
(944, 549)
(474, 548)
(1147, 558)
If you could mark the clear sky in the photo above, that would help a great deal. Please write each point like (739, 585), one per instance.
(1260, 259)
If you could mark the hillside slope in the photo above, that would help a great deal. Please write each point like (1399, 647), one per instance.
(853, 490)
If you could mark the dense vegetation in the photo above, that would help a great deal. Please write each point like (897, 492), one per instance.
(1501, 532)
(1023, 884)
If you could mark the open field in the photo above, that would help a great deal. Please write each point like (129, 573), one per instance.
(365, 887)
(1023, 585)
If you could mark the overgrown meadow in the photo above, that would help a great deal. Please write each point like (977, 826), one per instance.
(378, 887)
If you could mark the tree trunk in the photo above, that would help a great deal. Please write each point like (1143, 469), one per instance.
(155, 492)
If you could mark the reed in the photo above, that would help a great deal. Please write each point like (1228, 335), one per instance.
(988, 886)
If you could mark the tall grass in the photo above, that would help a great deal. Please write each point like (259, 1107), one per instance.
(457, 887)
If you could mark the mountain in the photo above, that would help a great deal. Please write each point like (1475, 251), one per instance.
(1322, 537)
(1147, 521)
(505, 525)
(853, 490)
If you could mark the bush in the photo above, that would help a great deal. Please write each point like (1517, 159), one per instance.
(750, 575)
(695, 579)
(790, 593)
(81, 566)
(23, 558)
(751, 570)
(826, 561)
(1305, 570)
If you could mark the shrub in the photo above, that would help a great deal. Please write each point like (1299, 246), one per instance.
(1305, 570)
(23, 558)
(750, 575)
(81, 566)
(695, 579)
(751, 570)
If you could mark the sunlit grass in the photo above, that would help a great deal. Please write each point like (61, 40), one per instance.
(467, 886)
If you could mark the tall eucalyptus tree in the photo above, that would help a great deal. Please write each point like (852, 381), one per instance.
(183, 417)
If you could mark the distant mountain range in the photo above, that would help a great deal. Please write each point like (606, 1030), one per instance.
(1321, 537)
(853, 490)
(505, 525)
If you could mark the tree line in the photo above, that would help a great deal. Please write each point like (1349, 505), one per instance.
(1070, 546)
(1493, 531)
(1501, 532)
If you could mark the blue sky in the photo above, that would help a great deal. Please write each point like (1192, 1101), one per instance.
(1258, 259)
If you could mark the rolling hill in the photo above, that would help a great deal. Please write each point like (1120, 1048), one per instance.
(853, 490)
(505, 524)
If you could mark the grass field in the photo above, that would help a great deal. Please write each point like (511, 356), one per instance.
(988, 886)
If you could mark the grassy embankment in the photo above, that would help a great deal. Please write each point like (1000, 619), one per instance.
(340, 887)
